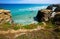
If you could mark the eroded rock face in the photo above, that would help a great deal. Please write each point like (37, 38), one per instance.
(49, 7)
(56, 18)
(39, 16)
(43, 15)
(56, 7)
(5, 16)
(51, 13)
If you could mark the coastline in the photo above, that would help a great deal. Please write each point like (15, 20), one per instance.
(11, 30)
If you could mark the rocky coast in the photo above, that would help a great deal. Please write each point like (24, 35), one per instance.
(44, 29)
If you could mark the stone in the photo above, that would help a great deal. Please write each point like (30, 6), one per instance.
(56, 19)
(5, 16)
(43, 15)
(51, 7)
(57, 9)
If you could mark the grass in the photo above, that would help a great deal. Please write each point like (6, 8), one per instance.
(7, 26)
(40, 34)
(16, 27)
(50, 25)
(31, 26)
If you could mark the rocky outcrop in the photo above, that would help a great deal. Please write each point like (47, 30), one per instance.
(43, 15)
(5, 16)
(46, 14)
(49, 7)
(56, 19)
(39, 16)
(57, 7)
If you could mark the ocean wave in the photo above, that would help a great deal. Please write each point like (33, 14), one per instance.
(33, 8)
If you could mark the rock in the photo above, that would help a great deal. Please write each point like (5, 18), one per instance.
(43, 15)
(5, 16)
(57, 9)
(39, 16)
(51, 7)
(56, 19)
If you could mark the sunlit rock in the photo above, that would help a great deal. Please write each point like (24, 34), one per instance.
(5, 16)
(43, 15)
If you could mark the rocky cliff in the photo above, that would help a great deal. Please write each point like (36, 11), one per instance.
(5, 16)
(50, 9)
(56, 6)
(43, 15)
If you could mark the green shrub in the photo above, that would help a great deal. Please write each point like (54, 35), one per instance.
(16, 27)
(31, 26)
(40, 23)
(5, 26)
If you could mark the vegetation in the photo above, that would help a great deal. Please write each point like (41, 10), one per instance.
(16, 27)
(7, 26)
(48, 34)
(40, 34)
(31, 26)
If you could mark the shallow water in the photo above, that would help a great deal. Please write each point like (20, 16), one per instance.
(23, 13)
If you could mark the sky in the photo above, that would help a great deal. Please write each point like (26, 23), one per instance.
(31, 1)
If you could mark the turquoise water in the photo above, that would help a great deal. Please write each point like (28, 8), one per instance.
(24, 13)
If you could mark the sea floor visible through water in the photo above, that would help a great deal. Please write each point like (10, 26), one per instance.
(23, 13)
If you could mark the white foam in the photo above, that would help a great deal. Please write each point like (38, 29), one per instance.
(33, 8)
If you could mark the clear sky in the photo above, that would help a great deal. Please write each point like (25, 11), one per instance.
(31, 1)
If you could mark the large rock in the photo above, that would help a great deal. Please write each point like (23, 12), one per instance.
(57, 9)
(49, 7)
(5, 16)
(56, 13)
(43, 15)
(39, 16)
(56, 19)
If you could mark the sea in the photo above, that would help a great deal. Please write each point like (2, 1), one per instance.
(24, 13)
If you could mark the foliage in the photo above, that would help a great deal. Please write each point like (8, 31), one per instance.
(31, 26)
(5, 26)
(16, 27)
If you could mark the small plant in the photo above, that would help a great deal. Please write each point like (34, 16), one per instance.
(50, 26)
(16, 27)
(31, 26)
(5, 26)
(40, 23)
